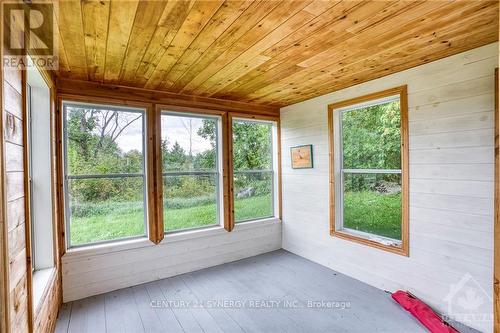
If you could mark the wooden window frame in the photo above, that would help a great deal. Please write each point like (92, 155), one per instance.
(153, 170)
(223, 169)
(277, 167)
(403, 249)
(149, 139)
(496, 231)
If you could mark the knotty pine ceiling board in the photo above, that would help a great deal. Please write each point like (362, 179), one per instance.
(268, 52)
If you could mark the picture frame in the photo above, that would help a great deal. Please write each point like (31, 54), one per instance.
(302, 157)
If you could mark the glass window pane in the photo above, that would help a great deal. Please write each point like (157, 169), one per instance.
(189, 201)
(188, 143)
(372, 204)
(252, 145)
(103, 209)
(371, 137)
(253, 195)
(103, 140)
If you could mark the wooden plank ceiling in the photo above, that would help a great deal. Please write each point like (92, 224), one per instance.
(263, 51)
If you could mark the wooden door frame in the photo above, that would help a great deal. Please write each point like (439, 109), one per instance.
(496, 230)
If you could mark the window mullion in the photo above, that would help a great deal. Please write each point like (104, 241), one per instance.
(105, 176)
(190, 173)
(396, 171)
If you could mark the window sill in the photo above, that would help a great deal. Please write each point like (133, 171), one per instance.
(255, 223)
(400, 249)
(41, 280)
(192, 233)
(105, 248)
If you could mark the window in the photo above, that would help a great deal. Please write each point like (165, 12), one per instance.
(254, 161)
(105, 180)
(39, 175)
(370, 178)
(116, 189)
(191, 170)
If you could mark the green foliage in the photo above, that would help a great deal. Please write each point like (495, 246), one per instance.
(110, 208)
(85, 210)
(373, 213)
(107, 221)
(252, 146)
(371, 140)
(188, 186)
(92, 149)
(99, 222)
(174, 159)
(260, 183)
(180, 203)
(371, 137)
(92, 146)
(253, 208)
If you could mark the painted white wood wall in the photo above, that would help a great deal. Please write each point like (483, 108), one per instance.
(108, 268)
(451, 129)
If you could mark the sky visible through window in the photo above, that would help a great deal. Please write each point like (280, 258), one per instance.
(177, 129)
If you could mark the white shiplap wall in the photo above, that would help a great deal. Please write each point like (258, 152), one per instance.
(112, 267)
(451, 112)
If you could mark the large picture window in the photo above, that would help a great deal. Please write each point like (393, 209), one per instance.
(199, 169)
(370, 176)
(253, 164)
(105, 178)
(191, 170)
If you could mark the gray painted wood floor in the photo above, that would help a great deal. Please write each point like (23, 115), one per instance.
(269, 293)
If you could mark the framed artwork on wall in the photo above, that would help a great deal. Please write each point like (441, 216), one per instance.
(302, 157)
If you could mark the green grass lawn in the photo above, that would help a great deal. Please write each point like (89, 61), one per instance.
(127, 219)
(373, 213)
(364, 211)
(253, 208)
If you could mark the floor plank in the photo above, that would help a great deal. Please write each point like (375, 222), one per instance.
(166, 315)
(181, 312)
(63, 318)
(266, 293)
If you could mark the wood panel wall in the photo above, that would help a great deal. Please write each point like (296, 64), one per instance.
(451, 132)
(4, 322)
(98, 90)
(19, 313)
(117, 266)
(13, 158)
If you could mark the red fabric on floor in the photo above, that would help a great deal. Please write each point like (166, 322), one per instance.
(422, 312)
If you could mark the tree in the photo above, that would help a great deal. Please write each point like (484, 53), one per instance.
(174, 158)
(251, 143)
(251, 146)
(92, 136)
(92, 149)
(371, 139)
(207, 159)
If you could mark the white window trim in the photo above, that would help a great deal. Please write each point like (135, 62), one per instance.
(273, 170)
(339, 170)
(40, 167)
(144, 175)
(41, 280)
(218, 171)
